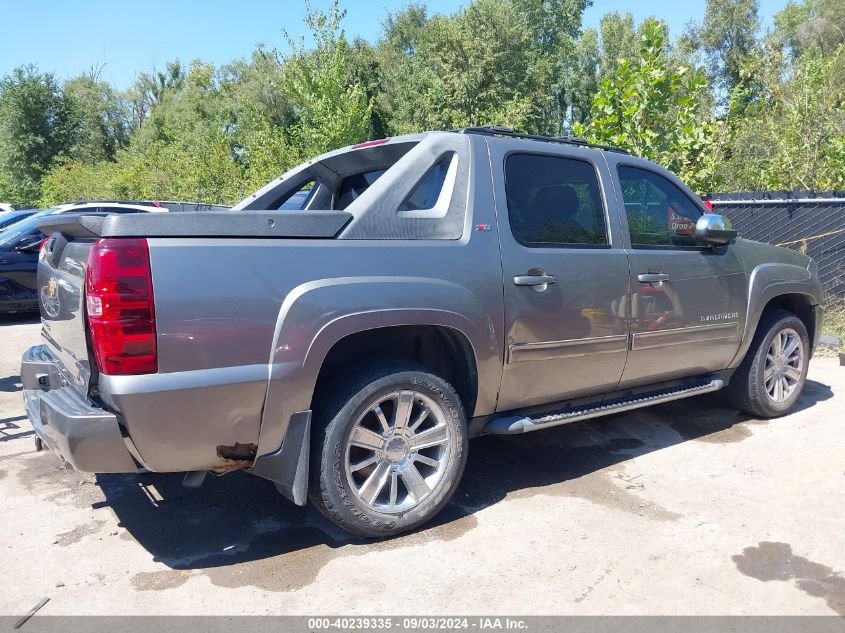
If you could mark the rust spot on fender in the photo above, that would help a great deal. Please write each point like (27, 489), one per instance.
(236, 457)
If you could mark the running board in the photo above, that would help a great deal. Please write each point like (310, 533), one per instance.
(522, 424)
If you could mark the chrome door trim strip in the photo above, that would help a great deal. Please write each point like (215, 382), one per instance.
(570, 348)
(684, 335)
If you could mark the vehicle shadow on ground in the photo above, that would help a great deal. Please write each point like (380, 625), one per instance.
(15, 428)
(19, 318)
(239, 518)
(10, 384)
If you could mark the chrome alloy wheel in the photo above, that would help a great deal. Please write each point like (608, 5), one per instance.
(784, 365)
(398, 451)
(50, 301)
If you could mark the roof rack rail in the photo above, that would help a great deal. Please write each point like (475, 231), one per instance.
(498, 130)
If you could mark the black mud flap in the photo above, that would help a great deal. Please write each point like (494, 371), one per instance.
(288, 466)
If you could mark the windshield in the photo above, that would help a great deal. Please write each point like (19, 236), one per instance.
(10, 218)
(14, 231)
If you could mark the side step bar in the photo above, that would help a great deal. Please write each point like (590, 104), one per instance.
(522, 424)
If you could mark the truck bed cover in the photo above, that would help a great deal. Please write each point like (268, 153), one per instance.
(251, 224)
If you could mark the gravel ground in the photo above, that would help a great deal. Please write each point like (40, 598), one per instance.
(683, 508)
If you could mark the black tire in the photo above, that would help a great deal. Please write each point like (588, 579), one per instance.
(747, 390)
(348, 399)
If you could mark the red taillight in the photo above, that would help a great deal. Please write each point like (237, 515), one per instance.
(378, 141)
(120, 308)
(708, 204)
(42, 248)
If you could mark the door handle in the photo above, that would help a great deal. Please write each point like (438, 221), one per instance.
(655, 279)
(539, 280)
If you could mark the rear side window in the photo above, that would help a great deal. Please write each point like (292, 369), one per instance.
(353, 186)
(554, 200)
(427, 191)
(659, 213)
(297, 200)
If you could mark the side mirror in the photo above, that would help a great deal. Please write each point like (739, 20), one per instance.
(714, 229)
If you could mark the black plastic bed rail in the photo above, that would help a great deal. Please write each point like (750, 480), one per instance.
(497, 130)
(225, 224)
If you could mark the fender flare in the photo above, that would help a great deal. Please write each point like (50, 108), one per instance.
(766, 282)
(317, 315)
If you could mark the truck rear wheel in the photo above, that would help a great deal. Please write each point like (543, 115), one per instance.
(389, 449)
(770, 379)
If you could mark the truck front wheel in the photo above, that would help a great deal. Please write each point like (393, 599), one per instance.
(770, 379)
(389, 448)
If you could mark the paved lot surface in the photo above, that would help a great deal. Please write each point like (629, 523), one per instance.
(686, 508)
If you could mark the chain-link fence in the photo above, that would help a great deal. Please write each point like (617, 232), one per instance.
(812, 222)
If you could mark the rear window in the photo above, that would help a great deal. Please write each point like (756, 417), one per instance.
(353, 186)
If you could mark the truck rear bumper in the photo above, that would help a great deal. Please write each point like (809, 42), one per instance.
(85, 436)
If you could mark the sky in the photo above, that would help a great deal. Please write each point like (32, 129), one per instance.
(69, 37)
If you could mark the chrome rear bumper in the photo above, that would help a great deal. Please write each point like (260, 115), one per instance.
(85, 436)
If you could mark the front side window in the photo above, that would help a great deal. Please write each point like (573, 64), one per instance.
(659, 213)
(554, 200)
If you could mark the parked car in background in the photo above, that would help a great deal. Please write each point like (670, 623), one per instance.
(5, 207)
(10, 217)
(426, 289)
(136, 206)
(19, 245)
(20, 240)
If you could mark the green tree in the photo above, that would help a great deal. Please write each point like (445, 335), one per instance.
(811, 23)
(102, 126)
(186, 150)
(403, 29)
(554, 24)
(150, 89)
(794, 133)
(650, 108)
(555, 27)
(476, 67)
(620, 39)
(38, 123)
(214, 135)
(728, 38)
(331, 110)
(581, 78)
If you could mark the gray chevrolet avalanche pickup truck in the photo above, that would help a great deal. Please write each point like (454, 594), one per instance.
(345, 330)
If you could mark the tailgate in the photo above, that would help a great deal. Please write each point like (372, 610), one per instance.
(63, 262)
(61, 284)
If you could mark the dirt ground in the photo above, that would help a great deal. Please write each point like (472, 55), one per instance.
(683, 508)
